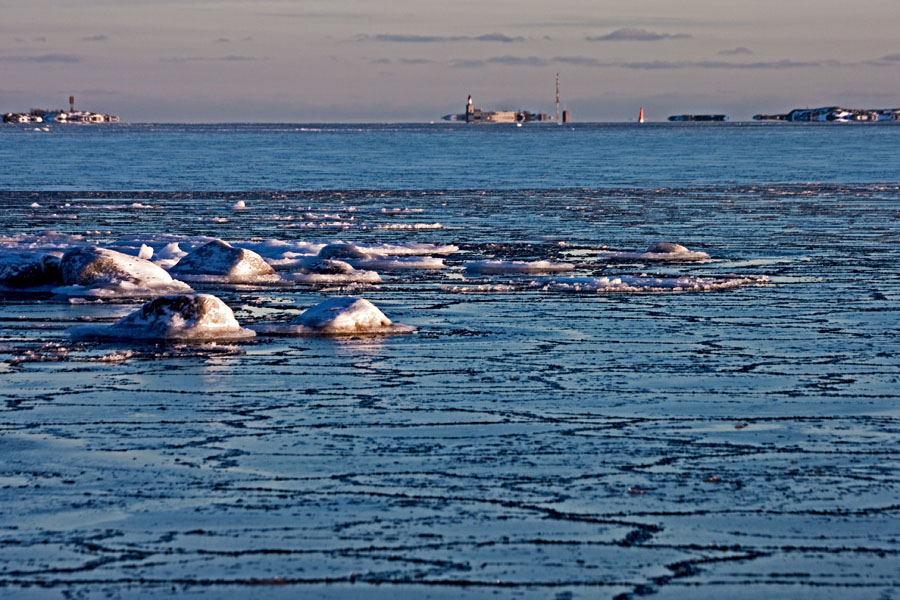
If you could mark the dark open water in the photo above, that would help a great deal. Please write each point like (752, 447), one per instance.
(525, 442)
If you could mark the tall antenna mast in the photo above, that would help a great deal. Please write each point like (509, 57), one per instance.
(558, 122)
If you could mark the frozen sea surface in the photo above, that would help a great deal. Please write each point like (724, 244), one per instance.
(525, 441)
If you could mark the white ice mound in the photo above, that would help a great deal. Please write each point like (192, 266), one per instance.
(169, 255)
(338, 316)
(179, 317)
(93, 271)
(662, 252)
(220, 261)
(341, 250)
(517, 266)
(22, 270)
(666, 248)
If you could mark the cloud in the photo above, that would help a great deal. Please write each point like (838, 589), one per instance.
(579, 61)
(44, 59)
(227, 58)
(403, 61)
(222, 40)
(465, 63)
(510, 61)
(891, 58)
(95, 38)
(497, 37)
(656, 65)
(348, 16)
(736, 51)
(440, 39)
(720, 64)
(631, 34)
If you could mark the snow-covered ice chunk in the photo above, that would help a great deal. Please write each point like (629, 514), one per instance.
(146, 252)
(332, 271)
(517, 266)
(385, 257)
(400, 263)
(171, 250)
(178, 317)
(342, 315)
(666, 248)
(411, 249)
(239, 205)
(660, 252)
(220, 261)
(93, 271)
(345, 250)
(342, 250)
(28, 269)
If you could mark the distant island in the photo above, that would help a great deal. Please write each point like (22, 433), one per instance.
(59, 116)
(42, 115)
(835, 114)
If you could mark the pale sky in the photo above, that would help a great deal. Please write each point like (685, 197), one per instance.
(416, 60)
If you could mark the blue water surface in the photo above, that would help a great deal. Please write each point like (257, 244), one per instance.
(441, 156)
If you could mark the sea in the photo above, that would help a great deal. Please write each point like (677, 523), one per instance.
(575, 414)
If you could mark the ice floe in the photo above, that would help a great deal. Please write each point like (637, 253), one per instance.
(332, 271)
(176, 317)
(388, 257)
(94, 271)
(342, 315)
(642, 283)
(660, 252)
(221, 262)
(349, 250)
(489, 267)
(616, 283)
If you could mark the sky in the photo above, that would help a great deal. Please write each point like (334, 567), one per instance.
(417, 60)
